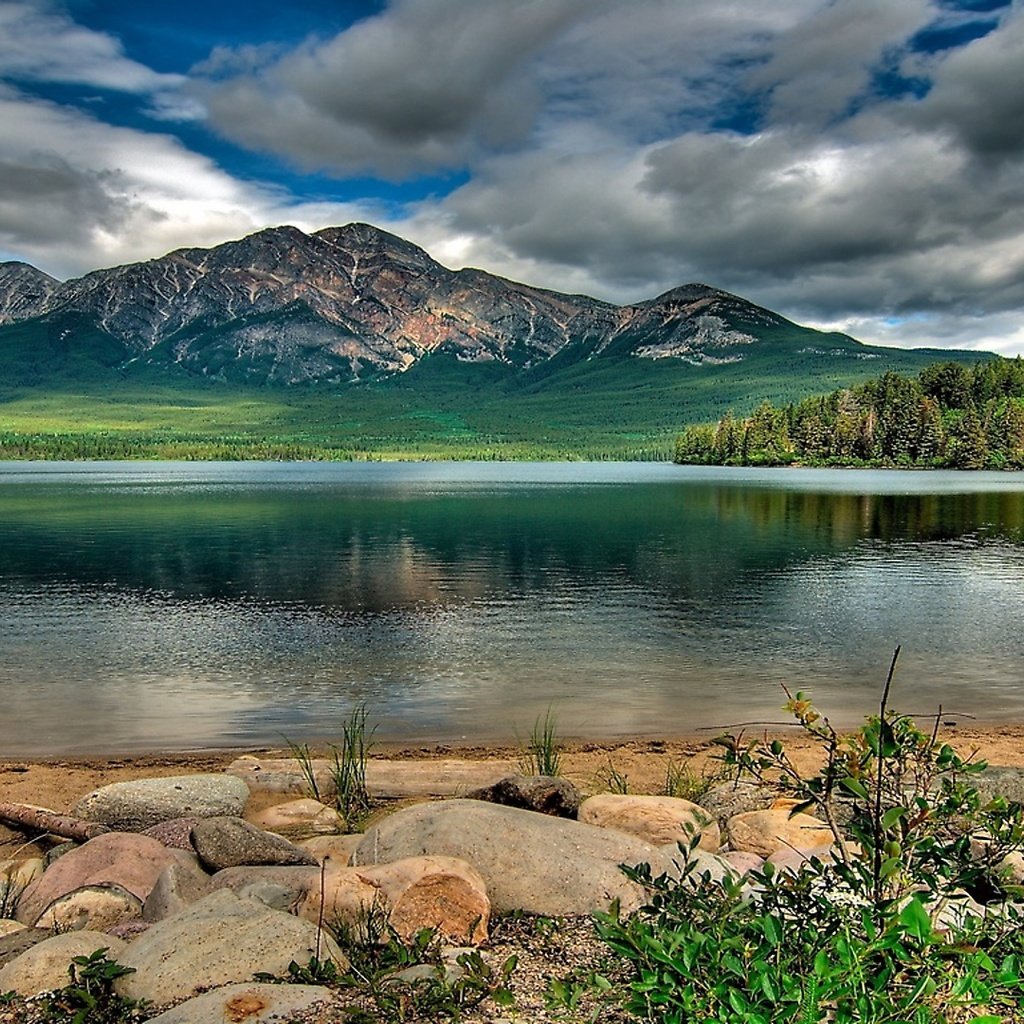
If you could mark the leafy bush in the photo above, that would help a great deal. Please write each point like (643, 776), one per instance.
(867, 938)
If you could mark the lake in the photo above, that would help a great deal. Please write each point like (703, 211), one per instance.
(171, 606)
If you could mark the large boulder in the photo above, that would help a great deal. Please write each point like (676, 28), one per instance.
(46, 965)
(250, 1003)
(655, 819)
(125, 859)
(528, 861)
(777, 828)
(218, 940)
(283, 888)
(230, 842)
(545, 794)
(179, 886)
(141, 803)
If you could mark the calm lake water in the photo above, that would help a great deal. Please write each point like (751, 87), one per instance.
(175, 605)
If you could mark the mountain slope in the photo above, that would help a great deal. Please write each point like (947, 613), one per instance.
(352, 338)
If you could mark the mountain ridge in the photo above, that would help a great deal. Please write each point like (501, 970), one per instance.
(354, 301)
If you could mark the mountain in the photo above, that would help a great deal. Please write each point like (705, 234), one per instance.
(353, 302)
(352, 340)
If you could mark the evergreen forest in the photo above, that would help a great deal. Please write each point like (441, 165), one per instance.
(948, 416)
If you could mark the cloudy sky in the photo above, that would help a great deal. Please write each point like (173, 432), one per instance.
(850, 163)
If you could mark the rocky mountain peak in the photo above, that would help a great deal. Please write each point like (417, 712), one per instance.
(24, 290)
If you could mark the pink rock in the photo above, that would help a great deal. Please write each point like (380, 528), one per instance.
(127, 859)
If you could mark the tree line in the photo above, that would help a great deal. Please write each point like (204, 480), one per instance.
(948, 416)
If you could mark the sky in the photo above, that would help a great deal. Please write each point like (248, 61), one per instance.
(852, 164)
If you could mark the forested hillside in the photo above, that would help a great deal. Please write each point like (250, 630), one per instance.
(948, 416)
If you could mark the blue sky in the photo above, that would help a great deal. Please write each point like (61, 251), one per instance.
(856, 164)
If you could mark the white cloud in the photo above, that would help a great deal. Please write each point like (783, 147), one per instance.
(40, 42)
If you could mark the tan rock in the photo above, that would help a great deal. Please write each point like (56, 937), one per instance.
(249, 1003)
(776, 828)
(389, 780)
(304, 816)
(44, 967)
(127, 859)
(655, 819)
(9, 927)
(443, 893)
(93, 908)
(337, 849)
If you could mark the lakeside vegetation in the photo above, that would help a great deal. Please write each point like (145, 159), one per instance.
(948, 416)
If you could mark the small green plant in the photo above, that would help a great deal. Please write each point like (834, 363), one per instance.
(89, 998)
(542, 753)
(348, 770)
(612, 780)
(346, 767)
(304, 758)
(857, 940)
(683, 782)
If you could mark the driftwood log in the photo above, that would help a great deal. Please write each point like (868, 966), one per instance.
(27, 817)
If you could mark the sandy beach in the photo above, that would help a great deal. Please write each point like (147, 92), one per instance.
(58, 783)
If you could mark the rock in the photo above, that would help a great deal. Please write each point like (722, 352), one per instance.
(1011, 868)
(283, 888)
(128, 930)
(179, 886)
(655, 819)
(56, 852)
(764, 832)
(246, 1004)
(743, 861)
(94, 908)
(9, 927)
(442, 893)
(129, 860)
(1000, 780)
(230, 842)
(385, 780)
(337, 849)
(15, 943)
(18, 874)
(142, 803)
(349, 902)
(530, 862)
(710, 865)
(542, 793)
(175, 834)
(304, 816)
(731, 798)
(220, 939)
(44, 967)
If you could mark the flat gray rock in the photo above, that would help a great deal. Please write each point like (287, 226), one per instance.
(1000, 780)
(530, 862)
(232, 842)
(44, 967)
(250, 1004)
(142, 803)
(219, 940)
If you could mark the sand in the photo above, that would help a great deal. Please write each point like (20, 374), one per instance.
(58, 784)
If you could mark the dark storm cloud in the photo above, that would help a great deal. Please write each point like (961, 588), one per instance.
(416, 88)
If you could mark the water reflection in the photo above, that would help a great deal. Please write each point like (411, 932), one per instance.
(219, 611)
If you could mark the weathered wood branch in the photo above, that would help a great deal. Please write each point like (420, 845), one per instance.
(25, 816)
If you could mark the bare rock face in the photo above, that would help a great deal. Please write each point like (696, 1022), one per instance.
(141, 803)
(124, 859)
(286, 307)
(655, 819)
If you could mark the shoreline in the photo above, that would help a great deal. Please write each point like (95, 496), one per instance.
(57, 782)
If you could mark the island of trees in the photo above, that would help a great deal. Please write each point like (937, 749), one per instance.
(949, 416)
